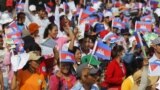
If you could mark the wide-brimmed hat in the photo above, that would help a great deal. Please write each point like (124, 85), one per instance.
(5, 18)
(92, 70)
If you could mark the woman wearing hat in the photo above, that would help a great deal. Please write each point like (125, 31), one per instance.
(29, 78)
(63, 79)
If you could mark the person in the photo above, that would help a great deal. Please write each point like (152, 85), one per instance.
(29, 39)
(133, 79)
(87, 78)
(29, 77)
(50, 53)
(63, 79)
(77, 54)
(85, 46)
(114, 76)
(20, 21)
(41, 20)
(149, 81)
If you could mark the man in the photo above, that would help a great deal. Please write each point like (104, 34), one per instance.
(30, 39)
(149, 82)
(87, 78)
(42, 20)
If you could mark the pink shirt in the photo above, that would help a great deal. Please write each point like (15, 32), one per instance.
(60, 42)
(56, 83)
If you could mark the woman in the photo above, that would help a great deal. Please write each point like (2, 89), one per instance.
(63, 79)
(29, 77)
(77, 54)
(135, 75)
(114, 76)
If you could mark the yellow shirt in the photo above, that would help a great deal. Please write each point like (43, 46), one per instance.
(127, 83)
(29, 81)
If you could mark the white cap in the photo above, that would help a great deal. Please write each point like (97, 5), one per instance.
(32, 8)
(157, 11)
(107, 14)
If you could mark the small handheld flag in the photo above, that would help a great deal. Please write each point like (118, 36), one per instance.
(67, 57)
(103, 51)
(143, 26)
(48, 9)
(118, 24)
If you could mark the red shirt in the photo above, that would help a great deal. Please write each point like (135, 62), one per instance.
(114, 75)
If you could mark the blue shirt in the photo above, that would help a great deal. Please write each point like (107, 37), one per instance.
(79, 86)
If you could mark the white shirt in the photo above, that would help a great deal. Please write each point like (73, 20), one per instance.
(43, 23)
(156, 70)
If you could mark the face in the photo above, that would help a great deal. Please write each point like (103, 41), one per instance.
(42, 14)
(66, 21)
(157, 48)
(36, 33)
(65, 67)
(86, 43)
(81, 1)
(53, 33)
(87, 78)
(91, 44)
(78, 55)
(34, 64)
(122, 53)
(57, 1)
(22, 19)
(106, 19)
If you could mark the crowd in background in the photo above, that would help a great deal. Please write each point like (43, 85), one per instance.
(78, 45)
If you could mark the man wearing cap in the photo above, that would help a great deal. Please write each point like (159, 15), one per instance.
(87, 78)
(30, 39)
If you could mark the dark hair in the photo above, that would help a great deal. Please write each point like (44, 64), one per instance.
(85, 37)
(74, 49)
(49, 28)
(62, 23)
(35, 47)
(116, 50)
(40, 8)
(20, 15)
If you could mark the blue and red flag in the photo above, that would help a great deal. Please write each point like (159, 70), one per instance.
(140, 40)
(154, 4)
(48, 9)
(118, 24)
(20, 6)
(143, 26)
(99, 27)
(13, 25)
(126, 19)
(67, 57)
(14, 35)
(111, 37)
(65, 6)
(87, 12)
(154, 65)
(92, 19)
(147, 18)
(103, 51)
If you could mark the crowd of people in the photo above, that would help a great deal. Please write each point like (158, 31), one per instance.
(80, 45)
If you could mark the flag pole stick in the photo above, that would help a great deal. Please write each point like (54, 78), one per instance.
(94, 49)
(141, 43)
